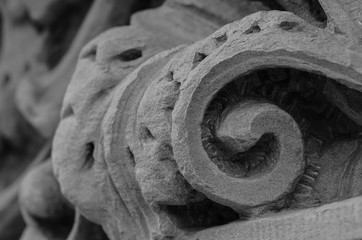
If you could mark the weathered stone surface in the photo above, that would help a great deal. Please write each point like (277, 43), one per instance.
(103, 65)
(127, 99)
(241, 129)
(341, 220)
(184, 21)
(200, 85)
(156, 121)
(243, 134)
(84, 104)
(84, 229)
(175, 144)
(311, 11)
(344, 19)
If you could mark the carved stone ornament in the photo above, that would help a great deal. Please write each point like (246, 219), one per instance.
(252, 132)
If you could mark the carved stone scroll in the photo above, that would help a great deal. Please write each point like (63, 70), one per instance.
(234, 127)
(252, 132)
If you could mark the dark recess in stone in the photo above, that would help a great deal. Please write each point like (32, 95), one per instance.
(253, 29)
(130, 55)
(89, 151)
(200, 215)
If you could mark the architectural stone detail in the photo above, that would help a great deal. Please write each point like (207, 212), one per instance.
(200, 119)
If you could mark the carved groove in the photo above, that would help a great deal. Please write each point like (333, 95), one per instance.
(68, 112)
(146, 134)
(131, 156)
(199, 57)
(89, 151)
(169, 76)
(285, 25)
(221, 40)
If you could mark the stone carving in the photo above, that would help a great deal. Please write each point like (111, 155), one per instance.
(251, 121)
(115, 54)
(181, 127)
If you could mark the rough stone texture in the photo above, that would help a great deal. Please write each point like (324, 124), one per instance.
(341, 220)
(287, 49)
(243, 134)
(240, 130)
(82, 104)
(103, 65)
(151, 141)
(150, 144)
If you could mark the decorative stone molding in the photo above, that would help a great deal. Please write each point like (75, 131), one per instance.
(253, 132)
